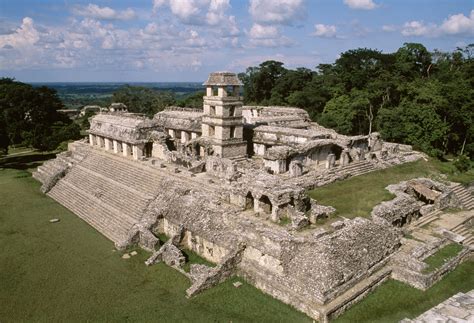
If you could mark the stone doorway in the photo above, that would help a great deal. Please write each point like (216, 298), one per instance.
(249, 201)
(265, 205)
(148, 149)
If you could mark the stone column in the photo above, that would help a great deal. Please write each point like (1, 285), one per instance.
(193, 135)
(171, 133)
(116, 147)
(184, 137)
(125, 149)
(330, 161)
(91, 139)
(137, 152)
(345, 158)
(108, 145)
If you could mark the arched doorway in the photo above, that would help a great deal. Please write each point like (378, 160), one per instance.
(265, 205)
(249, 201)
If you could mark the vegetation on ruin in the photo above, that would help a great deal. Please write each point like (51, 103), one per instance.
(358, 195)
(191, 256)
(440, 257)
(67, 271)
(412, 96)
(394, 301)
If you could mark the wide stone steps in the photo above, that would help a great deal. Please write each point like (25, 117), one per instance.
(50, 167)
(122, 173)
(358, 168)
(424, 220)
(129, 202)
(462, 230)
(111, 223)
(464, 196)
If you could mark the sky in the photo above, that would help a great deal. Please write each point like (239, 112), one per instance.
(185, 40)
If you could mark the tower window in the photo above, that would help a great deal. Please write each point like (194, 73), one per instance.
(231, 111)
(212, 131)
(212, 110)
(232, 132)
(215, 91)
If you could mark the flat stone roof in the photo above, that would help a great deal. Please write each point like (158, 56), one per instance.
(290, 131)
(223, 79)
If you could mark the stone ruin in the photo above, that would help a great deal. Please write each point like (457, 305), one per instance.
(222, 181)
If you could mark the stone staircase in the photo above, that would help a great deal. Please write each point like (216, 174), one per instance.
(53, 166)
(464, 196)
(424, 220)
(464, 231)
(106, 193)
(358, 168)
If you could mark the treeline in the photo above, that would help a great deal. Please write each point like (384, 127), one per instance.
(149, 101)
(412, 96)
(29, 116)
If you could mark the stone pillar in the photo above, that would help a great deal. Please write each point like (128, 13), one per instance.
(184, 137)
(137, 152)
(345, 159)
(194, 135)
(330, 161)
(125, 149)
(171, 133)
(116, 147)
(108, 144)
(296, 168)
(91, 139)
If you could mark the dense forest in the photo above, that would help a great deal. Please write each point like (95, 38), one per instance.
(412, 96)
(29, 116)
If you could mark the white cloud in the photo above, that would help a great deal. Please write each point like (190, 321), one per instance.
(418, 28)
(361, 4)
(260, 31)
(389, 28)
(458, 24)
(267, 36)
(104, 13)
(327, 31)
(200, 13)
(276, 11)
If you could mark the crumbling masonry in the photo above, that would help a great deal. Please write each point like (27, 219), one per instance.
(221, 182)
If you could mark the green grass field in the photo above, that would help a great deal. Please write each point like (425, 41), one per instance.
(357, 196)
(394, 301)
(67, 271)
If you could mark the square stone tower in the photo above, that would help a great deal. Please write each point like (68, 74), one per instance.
(222, 122)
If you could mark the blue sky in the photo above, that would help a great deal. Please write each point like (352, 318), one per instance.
(184, 40)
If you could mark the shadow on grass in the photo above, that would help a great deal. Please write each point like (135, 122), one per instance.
(23, 162)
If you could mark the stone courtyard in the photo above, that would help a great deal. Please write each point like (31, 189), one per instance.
(230, 183)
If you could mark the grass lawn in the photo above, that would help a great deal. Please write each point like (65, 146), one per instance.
(67, 271)
(394, 301)
(357, 196)
(441, 256)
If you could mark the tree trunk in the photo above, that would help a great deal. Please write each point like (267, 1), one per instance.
(464, 144)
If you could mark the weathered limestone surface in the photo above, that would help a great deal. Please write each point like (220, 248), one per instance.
(220, 180)
(206, 278)
(458, 308)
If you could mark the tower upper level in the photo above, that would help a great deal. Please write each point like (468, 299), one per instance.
(223, 84)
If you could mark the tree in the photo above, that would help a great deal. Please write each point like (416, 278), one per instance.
(143, 99)
(28, 114)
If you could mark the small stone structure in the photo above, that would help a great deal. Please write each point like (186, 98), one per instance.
(219, 180)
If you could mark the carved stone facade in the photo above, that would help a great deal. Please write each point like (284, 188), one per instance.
(219, 181)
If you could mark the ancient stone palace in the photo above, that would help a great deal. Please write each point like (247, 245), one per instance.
(230, 183)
